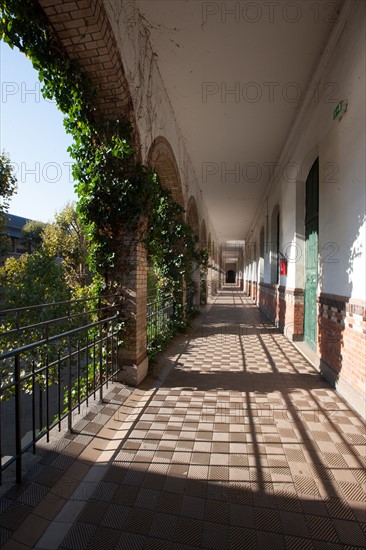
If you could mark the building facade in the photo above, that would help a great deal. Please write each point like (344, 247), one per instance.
(305, 262)
(174, 71)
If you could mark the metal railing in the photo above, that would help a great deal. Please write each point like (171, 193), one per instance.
(160, 314)
(53, 358)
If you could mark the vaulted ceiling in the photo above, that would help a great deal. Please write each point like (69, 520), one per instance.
(235, 73)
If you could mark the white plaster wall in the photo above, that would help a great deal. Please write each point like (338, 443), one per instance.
(342, 166)
(341, 149)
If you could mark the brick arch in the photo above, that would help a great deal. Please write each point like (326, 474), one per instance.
(86, 37)
(203, 235)
(161, 158)
(192, 216)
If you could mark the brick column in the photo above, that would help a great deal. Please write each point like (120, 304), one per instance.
(133, 358)
(209, 282)
(221, 279)
(197, 290)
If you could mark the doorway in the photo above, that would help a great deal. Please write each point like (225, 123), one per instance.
(230, 276)
(311, 255)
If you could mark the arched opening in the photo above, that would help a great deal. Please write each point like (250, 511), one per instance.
(113, 95)
(193, 221)
(311, 254)
(230, 276)
(275, 245)
(162, 159)
(192, 216)
(254, 273)
(203, 235)
(203, 274)
(261, 255)
(160, 308)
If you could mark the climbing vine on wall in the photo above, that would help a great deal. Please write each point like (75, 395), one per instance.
(116, 193)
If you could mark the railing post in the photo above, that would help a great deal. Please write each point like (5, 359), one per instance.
(18, 434)
(69, 376)
(47, 399)
(33, 408)
(100, 350)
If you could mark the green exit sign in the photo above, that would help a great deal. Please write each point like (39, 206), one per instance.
(340, 109)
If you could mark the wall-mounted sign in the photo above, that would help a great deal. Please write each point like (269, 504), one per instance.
(340, 109)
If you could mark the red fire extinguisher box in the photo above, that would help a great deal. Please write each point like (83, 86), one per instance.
(283, 266)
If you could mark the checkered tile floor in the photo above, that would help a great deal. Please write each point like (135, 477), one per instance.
(242, 445)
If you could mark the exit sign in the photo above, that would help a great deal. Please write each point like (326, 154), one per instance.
(340, 110)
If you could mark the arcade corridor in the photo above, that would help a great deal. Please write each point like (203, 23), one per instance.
(237, 442)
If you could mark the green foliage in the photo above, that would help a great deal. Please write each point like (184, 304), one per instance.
(5, 241)
(203, 257)
(170, 241)
(116, 193)
(32, 233)
(8, 184)
(23, 24)
(32, 279)
(65, 238)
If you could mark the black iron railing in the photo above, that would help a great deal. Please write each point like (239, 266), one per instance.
(160, 315)
(53, 357)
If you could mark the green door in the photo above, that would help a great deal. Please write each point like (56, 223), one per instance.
(311, 254)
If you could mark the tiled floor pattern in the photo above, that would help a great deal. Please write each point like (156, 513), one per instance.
(243, 445)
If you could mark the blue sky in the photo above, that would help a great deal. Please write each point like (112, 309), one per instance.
(32, 133)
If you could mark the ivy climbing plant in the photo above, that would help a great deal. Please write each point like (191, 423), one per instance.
(116, 193)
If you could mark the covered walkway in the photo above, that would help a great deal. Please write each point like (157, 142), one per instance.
(237, 443)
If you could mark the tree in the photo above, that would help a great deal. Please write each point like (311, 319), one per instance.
(5, 241)
(66, 239)
(8, 184)
(32, 279)
(32, 234)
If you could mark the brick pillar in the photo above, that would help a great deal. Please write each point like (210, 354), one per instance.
(197, 290)
(221, 279)
(209, 282)
(133, 357)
